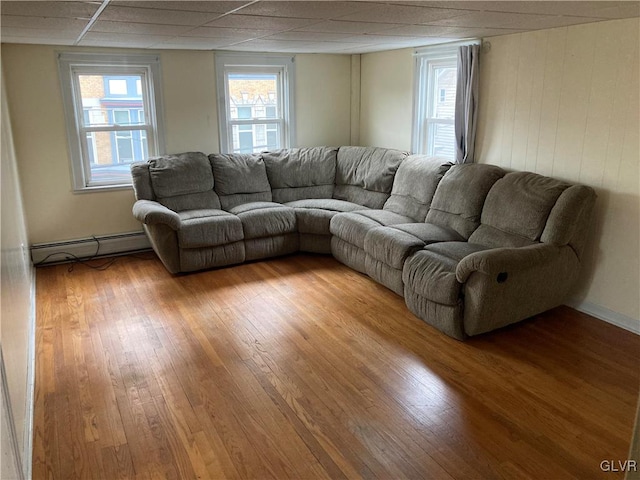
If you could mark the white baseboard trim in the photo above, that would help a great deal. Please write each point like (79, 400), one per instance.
(27, 461)
(14, 467)
(84, 248)
(609, 316)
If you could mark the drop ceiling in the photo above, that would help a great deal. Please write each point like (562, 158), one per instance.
(293, 26)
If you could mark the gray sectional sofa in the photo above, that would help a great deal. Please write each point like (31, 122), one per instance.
(471, 248)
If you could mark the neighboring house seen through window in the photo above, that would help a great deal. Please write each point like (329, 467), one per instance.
(112, 108)
(255, 102)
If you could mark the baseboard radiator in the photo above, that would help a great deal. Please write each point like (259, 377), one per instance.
(91, 247)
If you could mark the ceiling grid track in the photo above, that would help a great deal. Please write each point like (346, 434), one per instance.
(93, 20)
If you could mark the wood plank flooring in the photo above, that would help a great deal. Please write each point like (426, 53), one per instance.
(298, 367)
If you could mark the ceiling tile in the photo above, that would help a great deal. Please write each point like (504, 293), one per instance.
(617, 10)
(397, 40)
(34, 39)
(549, 21)
(293, 26)
(488, 19)
(384, 13)
(40, 32)
(187, 6)
(304, 9)
(372, 48)
(196, 43)
(480, 32)
(271, 46)
(52, 23)
(572, 8)
(335, 26)
(231, 33)
(128, 40)
(106, 26)
(418, 30)
(310, 36)
(262, 23)
(161, 17)
(605, 9)
(50, 9)
(29, 35)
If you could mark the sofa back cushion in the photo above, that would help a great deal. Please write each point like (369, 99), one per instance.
(516, 210)
(141, 180)
(414, 184)
(240, 178)
(301, 173)
(183, 181)
(364, 175)
(460, 196)
(570, 218)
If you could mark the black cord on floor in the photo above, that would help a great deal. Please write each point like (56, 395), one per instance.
(75, 260)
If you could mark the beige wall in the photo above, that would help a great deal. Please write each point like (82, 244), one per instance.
(561, 102)
(189, 97)
(16, 306)
(323, 100)
(564, 102)
(54, 213)
(386, 99)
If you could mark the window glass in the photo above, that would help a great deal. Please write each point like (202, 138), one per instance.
(244, 112)
(117, 87)
(117, 124)
(255, 102)
(435, 97)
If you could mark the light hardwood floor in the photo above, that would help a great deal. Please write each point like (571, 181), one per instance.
(298, 367)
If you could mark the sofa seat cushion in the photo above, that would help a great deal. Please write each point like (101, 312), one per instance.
(352, 227)
(265, 219)
(393, 244)
(208, 228)
(431, 272)
(314, 214)
(327, 204)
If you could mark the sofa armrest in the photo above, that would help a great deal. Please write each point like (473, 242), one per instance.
(502, 261)
(151, 213)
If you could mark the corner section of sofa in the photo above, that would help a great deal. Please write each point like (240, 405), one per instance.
(523, 258)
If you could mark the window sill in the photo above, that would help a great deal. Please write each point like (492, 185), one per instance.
(102, 188)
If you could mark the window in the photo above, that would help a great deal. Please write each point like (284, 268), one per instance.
(255, 102)
(435, 98)
(112, 108)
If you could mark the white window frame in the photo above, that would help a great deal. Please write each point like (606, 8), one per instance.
(70, 66)
(427, 59)
(283, 66)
